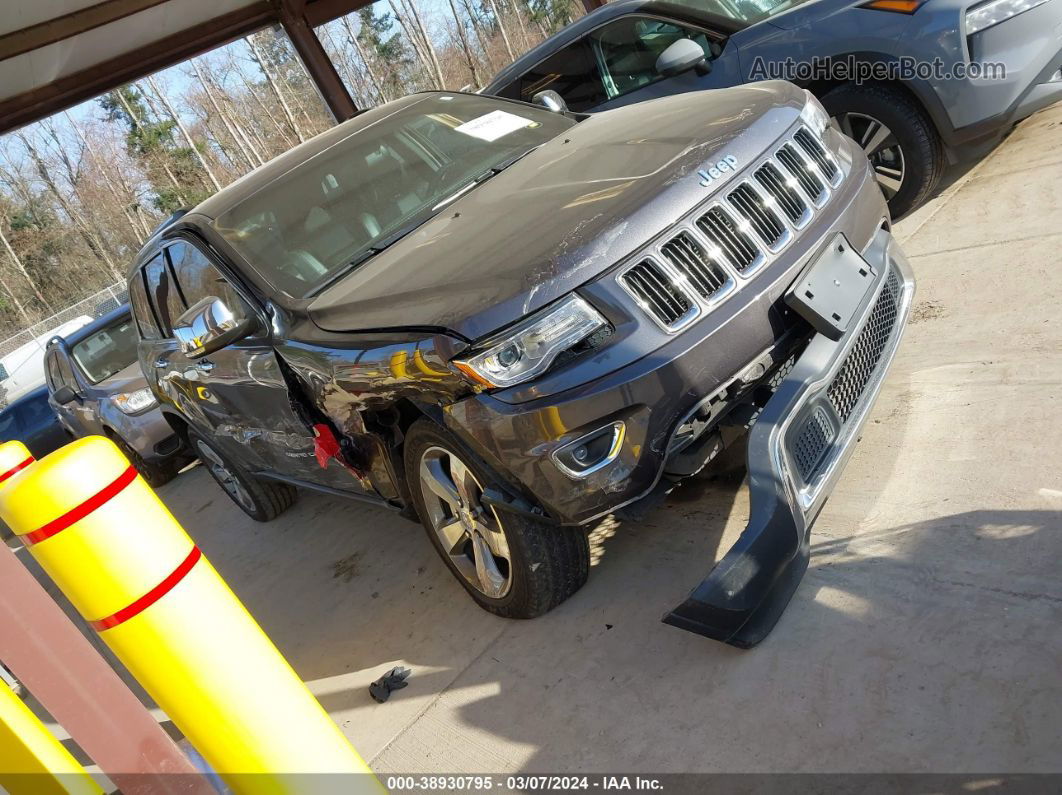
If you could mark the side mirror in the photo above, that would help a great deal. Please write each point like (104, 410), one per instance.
(64, 395)
(209, 325)
(681, 56)
(550, 100)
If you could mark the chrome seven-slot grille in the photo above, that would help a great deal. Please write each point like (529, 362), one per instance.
(736, 235)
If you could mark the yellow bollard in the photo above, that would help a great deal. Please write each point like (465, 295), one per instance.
(14, 457)
(130, 569)
(32, 760)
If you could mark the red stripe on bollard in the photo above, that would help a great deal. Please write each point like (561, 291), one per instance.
(152, 596)
(16, 469)
(82, 510)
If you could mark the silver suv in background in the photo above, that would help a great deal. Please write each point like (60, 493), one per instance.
(916, 83)
(95, 386)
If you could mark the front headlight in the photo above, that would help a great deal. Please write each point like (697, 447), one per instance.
(530, 347)
(134, 402)
(996, 11)
(814, 115)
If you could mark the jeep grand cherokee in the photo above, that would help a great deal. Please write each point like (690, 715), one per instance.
(510, 322)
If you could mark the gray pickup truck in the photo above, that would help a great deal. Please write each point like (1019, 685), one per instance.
(509, 322)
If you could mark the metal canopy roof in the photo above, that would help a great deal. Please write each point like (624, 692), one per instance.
(57, 53)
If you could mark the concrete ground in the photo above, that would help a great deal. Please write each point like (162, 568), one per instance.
(925, 636)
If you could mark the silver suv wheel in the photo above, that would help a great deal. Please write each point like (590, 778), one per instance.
(881, 147)
(470, 534)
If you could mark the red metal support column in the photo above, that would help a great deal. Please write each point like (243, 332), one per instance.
(314, 57)
(76, 685)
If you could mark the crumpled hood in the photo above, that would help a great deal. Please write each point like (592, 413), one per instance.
(560, 216)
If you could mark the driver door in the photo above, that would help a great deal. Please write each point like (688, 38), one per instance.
(237, 395)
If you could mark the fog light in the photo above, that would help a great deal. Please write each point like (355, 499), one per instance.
(591, 452)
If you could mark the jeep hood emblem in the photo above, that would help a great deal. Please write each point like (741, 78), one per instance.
(718, 171)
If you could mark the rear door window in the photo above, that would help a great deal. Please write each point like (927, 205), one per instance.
(162, 294)
(142, 311)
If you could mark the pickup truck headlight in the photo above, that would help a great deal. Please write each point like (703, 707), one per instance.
(995, 11)
(814, 115)
(529, 348)
(134, 402)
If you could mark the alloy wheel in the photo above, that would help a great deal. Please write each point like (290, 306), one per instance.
(881, 147)
(470, 534)
(224, 475)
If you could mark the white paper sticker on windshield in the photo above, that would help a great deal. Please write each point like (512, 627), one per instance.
(494, 125)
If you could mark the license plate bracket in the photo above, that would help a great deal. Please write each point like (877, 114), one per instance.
(830, 290)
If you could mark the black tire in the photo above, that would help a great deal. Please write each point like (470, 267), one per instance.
(155, 474)
(924, 160)
(546, 564)
(262, 500)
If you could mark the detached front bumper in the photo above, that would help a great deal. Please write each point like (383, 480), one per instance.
(797, 450)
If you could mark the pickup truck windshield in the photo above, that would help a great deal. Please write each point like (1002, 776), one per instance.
(341, 206)
(109, 350)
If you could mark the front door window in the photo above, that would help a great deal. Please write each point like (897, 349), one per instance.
(627, 49)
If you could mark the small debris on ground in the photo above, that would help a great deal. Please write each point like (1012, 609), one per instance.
(395, 679)
(927, 310)
(346, 568)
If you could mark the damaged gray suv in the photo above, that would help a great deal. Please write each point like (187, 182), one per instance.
(509, 322)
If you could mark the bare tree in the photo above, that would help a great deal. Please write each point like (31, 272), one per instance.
(136, 222)
(353, 37)
(501, 29)
(245, 152)
(138, 122)
(17, 262)
(95, 244)
(256, 55)
(184, 132)
(465, 48)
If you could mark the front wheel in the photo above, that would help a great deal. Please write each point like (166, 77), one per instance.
(899, 139)
(262, 500)
(511, 565)
(153, 473)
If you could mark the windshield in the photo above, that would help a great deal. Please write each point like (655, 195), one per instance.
(104, 353)
(748, 12)
(338, 207)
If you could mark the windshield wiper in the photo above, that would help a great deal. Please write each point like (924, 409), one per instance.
(394, 237)
(497, 168)
(365, 254)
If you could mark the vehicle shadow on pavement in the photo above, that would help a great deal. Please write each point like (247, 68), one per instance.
(904, 649)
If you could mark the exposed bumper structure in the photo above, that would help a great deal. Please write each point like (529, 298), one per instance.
(797, 450)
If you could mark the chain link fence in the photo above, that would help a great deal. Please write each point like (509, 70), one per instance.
(22, 355)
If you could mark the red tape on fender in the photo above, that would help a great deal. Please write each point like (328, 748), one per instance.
(16, 469)
(152, 596)
(81, 511)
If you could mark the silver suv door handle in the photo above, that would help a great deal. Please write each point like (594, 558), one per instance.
(205, 365)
